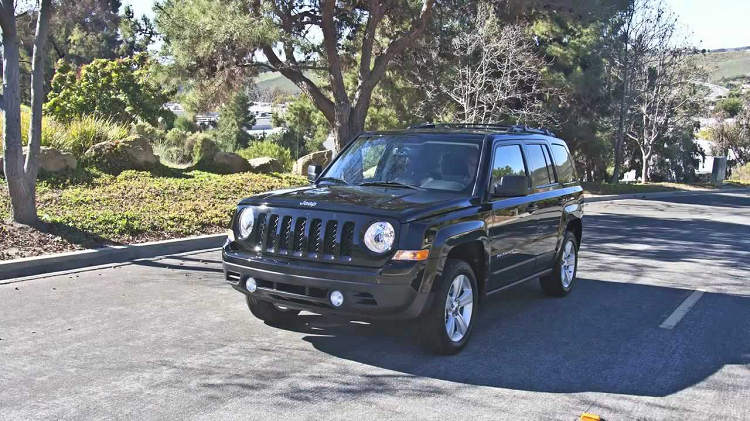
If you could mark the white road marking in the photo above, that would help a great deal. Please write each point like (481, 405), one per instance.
(682, 310)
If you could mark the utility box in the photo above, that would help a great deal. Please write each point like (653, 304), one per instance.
(719, 172)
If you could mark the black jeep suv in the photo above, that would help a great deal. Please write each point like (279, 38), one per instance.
(414, 224)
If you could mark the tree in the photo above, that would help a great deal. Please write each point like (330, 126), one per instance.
(136, 34)
(120, 89)
(307, 128)
(368, 35)
(21, 175)
(235, 119)
(732, 139)
(498, 74)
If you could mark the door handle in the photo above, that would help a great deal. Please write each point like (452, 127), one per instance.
(533, 207)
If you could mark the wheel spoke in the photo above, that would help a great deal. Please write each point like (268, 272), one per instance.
(450, 325)
(456, 287)
(465, 298)
(461, 325)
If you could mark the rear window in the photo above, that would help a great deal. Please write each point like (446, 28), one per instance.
(563, 164)
(540, 174)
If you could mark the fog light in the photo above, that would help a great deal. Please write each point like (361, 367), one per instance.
(337, 298)
(250, 284)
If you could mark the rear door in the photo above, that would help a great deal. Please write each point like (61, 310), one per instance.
(511, 223)
(546, 195)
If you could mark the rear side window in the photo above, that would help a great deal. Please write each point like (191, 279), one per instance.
(563, 164)
(540, 174)
(508, 161)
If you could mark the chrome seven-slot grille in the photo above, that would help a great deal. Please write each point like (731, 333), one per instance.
(303, 236)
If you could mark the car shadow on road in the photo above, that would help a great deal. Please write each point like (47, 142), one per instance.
(604, 337)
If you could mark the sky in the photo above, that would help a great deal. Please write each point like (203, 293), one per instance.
(714, 23)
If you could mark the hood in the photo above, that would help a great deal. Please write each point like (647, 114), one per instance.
(403, 204)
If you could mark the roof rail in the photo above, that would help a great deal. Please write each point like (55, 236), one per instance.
(508, 128)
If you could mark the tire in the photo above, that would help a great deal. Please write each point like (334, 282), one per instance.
(269, 313)
(563, 277)
(435, 324)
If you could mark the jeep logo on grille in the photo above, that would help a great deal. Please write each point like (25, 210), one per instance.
(308, 204)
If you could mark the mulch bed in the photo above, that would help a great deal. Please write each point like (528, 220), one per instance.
(17, 241)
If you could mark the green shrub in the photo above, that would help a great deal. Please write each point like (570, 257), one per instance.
(174, 147)
(204, 148)
(730, 106)
(52, 131)
(262, 148)
(185, 124)
(147, 131)
(83, 133)
(741, 173)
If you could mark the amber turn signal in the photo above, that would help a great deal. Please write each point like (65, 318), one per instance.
(413, 255)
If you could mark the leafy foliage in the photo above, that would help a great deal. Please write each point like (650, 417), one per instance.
(120, 90)
(138, 206)
(235, 119)
(270, 148)
(306, 126)
(185, 124)
(730, 106)
(80, 134)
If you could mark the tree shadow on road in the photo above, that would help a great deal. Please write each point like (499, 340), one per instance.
(605, 337)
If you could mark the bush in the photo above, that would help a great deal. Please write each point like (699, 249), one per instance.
(203, 147)
(185, 124)
(173, 148)
(262, 148)
(742, 173)
(730, 106)
(52, 131)
(83, 133)
(148, 132)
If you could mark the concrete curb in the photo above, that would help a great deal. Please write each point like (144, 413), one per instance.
(613, 197)
(116, 254)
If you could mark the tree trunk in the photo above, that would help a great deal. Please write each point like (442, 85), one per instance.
(20, 175)
(644, 169)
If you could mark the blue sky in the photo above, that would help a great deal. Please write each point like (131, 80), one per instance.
(714, 23)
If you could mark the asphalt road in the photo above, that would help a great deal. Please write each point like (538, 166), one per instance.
(167, 339)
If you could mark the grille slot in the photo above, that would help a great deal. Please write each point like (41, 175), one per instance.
(286, 233)
(260, 230)
(314, 242)
(347, 239)
(273, 226)
(329, 244)
(365, 298)
(299, 234)
(233, 278)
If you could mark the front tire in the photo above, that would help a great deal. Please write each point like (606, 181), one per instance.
(563, 277)
(270, 313)
(447, 327)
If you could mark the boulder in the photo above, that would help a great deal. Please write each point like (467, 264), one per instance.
(265, 165)
(133, 153)
(321, 158)
(51, 160)
(231, 163)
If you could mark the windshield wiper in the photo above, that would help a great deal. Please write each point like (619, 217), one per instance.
(390, 184)
(332, 180)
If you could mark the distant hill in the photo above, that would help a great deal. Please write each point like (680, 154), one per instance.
(271, 80)
(724, 66)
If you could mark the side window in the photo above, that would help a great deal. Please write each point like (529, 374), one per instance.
(547, 158)
(563, 164)
(539, 173)
(508, 161)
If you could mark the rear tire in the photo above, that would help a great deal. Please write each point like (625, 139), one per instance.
(455, 309)
(563, 277)
(269, 313)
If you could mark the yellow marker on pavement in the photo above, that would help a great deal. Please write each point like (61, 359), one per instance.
(590, 417)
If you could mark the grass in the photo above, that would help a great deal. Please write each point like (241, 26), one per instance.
(140, 206)
(727, 65)
(606, 188)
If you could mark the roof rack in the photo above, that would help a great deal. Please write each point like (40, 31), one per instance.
(507, 128)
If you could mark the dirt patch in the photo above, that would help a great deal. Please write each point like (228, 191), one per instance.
(17, 241)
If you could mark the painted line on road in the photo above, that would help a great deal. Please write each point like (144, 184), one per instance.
(682, 310)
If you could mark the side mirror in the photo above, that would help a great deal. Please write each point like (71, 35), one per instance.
(511, 186)
(313, 171)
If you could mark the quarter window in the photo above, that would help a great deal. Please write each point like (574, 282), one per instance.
(508, 161)
(540, 174)
(563, 164)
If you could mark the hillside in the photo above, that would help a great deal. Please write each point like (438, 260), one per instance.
(272, 80)
(728, 65)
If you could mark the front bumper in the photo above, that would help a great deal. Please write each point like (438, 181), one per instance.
(390, 292)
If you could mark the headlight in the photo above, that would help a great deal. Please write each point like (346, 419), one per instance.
(379, 237)
(246, 222)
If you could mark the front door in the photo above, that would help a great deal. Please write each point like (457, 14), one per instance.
(512, 223)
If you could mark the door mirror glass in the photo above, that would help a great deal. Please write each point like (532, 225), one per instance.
(511, 186)
(313, 171)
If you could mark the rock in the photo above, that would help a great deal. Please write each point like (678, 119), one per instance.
(231, 163)
(133, 153)
(321, 158)
(51, 160)
(265, 165)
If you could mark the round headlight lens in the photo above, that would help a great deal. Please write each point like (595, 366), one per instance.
(246, 222)
(379, 237)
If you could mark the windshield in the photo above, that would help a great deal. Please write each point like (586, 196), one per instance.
(408, 161)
